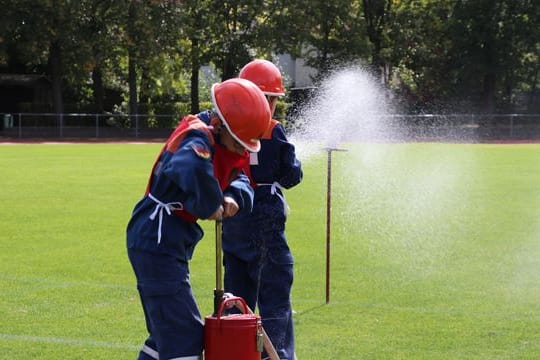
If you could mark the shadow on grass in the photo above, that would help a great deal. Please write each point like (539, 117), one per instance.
(307, 311)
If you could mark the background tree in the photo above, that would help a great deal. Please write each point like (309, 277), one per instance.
(151, 41)
(37, 34)
(98, 35)
(421, 52)
(458, 54)
(196, 28)
(334, 34)
(235, 27)
(489, 47)
(376, 15)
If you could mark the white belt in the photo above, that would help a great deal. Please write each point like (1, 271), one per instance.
(274, 191)
(168, 207)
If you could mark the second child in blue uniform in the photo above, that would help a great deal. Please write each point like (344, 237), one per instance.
(258, 261)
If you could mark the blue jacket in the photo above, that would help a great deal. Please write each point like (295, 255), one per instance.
(183, 178)
(275, 163)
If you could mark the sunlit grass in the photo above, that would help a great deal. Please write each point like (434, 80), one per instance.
(435, 252)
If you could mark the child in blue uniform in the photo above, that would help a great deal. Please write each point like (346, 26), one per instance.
(196, 175)
(258, 262)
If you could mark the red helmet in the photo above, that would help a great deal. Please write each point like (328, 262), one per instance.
(265, 75)
(244, 110)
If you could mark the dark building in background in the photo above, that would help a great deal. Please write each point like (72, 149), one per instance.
(25, 93)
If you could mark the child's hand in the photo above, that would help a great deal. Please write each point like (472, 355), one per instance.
(217, 215)
(230, 206)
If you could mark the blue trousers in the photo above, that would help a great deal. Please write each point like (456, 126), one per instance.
(267, 284)
(172, 317)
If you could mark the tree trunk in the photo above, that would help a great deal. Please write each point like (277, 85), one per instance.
(144, 90)
(228, 66)
(132, 70)
(98, 90)
(194, 94)
(132, 80)
(376, 62)
(375, 13)
(489, 93)
(55, 71)
(534, 90)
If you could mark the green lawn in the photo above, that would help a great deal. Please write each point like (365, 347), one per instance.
(435, 252)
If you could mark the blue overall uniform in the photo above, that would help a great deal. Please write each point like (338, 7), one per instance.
(162, 234)
(258, 262)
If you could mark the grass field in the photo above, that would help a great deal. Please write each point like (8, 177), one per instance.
(435, 252)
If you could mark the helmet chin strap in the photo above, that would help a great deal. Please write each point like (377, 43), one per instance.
(217, 129)
(215, 121)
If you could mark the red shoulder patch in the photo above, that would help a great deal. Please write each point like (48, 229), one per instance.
(201, 152)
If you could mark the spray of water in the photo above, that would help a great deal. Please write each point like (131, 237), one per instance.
(415, 213)
(351, 110)
(349, 105)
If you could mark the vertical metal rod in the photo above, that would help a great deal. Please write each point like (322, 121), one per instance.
(218, 291)
(218, 254)
(328, 214)
(512, 125)
(328, 218)
(20, 125)
(97, 126)
(137, 126)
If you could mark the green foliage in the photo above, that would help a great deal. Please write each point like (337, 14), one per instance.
(184, 108)
(466, 53)
(281, 110)
(477, 53)
(336, 34)
(494, 44)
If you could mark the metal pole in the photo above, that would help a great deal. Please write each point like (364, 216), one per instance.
(61, 124)
(97, 125)
(137, 126)
(218, 291)
(328, 217)
(328, 214)
(20, 125)
(512, 125)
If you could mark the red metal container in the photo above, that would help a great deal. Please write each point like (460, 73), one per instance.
(235, 336)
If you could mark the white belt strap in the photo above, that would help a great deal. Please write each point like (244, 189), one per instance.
(273, 190)
(168, 207)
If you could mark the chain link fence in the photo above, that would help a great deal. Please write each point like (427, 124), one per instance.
(426, 127)
(468, 127)
(85, 126)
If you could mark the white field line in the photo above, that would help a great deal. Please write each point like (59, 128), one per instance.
(60, 340)
(66, 341)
